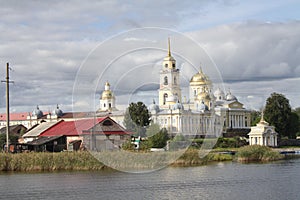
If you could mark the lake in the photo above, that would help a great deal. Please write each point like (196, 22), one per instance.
(224, 180)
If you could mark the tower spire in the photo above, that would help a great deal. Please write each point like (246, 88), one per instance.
(169, 49)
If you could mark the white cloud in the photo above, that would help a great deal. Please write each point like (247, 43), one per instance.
(46, 42)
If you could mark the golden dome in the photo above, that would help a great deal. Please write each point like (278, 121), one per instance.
(200, 78)
(107, 94)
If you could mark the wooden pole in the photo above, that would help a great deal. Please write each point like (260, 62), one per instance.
(7, 107)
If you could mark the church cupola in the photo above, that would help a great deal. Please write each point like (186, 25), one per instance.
(107, 100)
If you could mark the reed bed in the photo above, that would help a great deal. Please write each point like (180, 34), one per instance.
(257, 153)
(44, 161)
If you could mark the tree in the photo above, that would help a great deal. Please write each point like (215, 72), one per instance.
(13, 139)
(152, 129)
(159, 140)
(297, 111)
(293, 125)
(255, 117)
(137, 118)
(278, 113)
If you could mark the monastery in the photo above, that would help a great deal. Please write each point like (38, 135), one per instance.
(205, 112)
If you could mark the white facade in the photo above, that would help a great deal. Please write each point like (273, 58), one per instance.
(202, 113)
(263, 134)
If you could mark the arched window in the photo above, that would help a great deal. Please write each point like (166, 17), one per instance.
(175, 81)
(166, 65)
(166, 80)
(104, 105)
(109, 105)
(173, 65)
(165, 98)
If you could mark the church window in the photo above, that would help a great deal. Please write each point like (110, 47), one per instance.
(104, 105)
(166, 65)
(166, 80)
(173, 65)
(195, 92)
(175, 80)
(109, 105)
(165, 98)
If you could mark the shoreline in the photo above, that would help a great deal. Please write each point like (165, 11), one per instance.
(85, 161)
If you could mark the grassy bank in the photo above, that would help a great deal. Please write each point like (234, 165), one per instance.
(118, 160)
(191, 157)
(124, 160)
(49, 161)
(258, 153)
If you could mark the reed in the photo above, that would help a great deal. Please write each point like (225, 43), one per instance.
(258, 153)
(49, 161)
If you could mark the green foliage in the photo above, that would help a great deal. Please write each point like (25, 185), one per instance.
(49, 161)
(230, 143)
(258, 153)
(159, 140)
(152, 129)
(255, 117)
(145, 145)
(179, 137)
(13, 139)
(278, 113)
(235, 142)
(128, 145)
(137, 118)
(293, 125)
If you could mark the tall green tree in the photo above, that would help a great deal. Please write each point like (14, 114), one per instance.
(255, 117)
(278, 113)
(159, 140)
(293, 125)
(137, 118)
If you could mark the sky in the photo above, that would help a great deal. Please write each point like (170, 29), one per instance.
(62, 52)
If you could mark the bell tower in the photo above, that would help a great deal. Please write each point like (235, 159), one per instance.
(169, 89)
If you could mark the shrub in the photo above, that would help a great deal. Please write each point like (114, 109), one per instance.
(258, 153)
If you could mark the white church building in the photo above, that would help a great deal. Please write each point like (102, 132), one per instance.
(204, 112)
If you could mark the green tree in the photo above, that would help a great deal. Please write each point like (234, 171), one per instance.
(13, 139)
(293, 125)
(159, 140)
(152, 129)
(255, 117)
(278, 113)
(137, 118)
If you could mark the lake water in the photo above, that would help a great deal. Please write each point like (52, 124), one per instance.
(230, 180)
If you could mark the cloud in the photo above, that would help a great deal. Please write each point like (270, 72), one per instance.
(253, 50)
(46, 43)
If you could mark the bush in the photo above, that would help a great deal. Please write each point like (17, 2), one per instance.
(258, 153)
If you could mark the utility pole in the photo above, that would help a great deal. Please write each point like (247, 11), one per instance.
(7, 105)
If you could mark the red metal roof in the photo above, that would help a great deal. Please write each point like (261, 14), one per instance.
(14, 116)
(71, 128)
(81, 127)
(21, 116)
